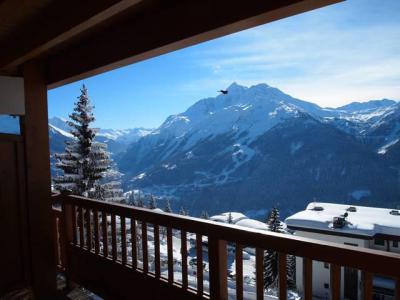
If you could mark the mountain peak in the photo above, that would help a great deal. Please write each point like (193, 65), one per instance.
(236, 87)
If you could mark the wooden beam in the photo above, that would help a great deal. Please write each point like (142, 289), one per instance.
(59, 22)
(41, 223)
(158, 32)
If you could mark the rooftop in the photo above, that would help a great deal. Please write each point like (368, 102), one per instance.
(361, 220)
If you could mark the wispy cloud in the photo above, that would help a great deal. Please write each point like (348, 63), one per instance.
(328, 56)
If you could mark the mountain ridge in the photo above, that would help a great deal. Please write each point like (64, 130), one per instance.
(203, 152)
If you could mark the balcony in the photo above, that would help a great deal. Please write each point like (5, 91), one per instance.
(96, 250)
(91, 241)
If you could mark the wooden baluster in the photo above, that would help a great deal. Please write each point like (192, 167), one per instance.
(367, 278)
(157, 267)
(144, 248)
(81, 237)
(63, 241)
(184, 259)
(239, 271)
(199, 259)
(113, 237)
(260, 273)
(282, 276)
(397, 291)
(335, 282)
(218, 269)
(104, 229)
(69, 234)
(170, 256)
(123, 240)
(96, 231)
(133, 244)
(74, 233)
(88, 230)
(57, 238)
(307, 278)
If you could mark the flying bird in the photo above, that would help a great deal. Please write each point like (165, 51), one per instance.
(223, 92)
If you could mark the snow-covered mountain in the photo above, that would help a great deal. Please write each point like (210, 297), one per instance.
(123, 136)
(258, 146)
(117, 140)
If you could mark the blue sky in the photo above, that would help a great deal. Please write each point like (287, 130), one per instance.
(332, 56)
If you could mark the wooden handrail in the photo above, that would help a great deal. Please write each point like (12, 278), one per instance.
(356, 257)
(367, 260)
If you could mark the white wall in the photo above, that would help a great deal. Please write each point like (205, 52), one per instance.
(12, 95)
(321, 275)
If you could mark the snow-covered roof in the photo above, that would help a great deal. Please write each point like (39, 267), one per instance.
(236, 216)
(364, 221)
(250, 223)
(240, 220)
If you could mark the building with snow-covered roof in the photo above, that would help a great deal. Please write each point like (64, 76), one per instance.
(358, 226)
(224, 217)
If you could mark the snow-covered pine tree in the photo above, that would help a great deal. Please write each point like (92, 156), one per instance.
(271, 257)
(291, 271)
(230, 219)
(204, 215)
(152, 202)
(168, 208)
(85, 162)
(139, 202)
(183, 212)
(130, 199)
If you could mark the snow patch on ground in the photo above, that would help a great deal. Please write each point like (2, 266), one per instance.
(139, 177)
(169, 166)
(295, 146)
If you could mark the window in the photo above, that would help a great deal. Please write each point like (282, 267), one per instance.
(351, 244)
(326, 285)
(9, 124)
(395, 244)
(380, 242)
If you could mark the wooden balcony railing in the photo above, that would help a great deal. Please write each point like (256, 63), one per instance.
(115, 250)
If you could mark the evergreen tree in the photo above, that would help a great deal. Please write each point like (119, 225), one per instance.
(152, 202)
(183, 212)
(291, 271)
(85, 162)
(168, 208)
(204, 215)
(274, 223)
(131, 199)
(271, 257)
(140, 202)
(230, 219)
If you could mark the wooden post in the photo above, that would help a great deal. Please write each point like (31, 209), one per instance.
(69, 233)
(239, 271)
(335, 281)
(367, 280)
(218, 269)
(41, 223)
(282, 276)
(307, 278)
